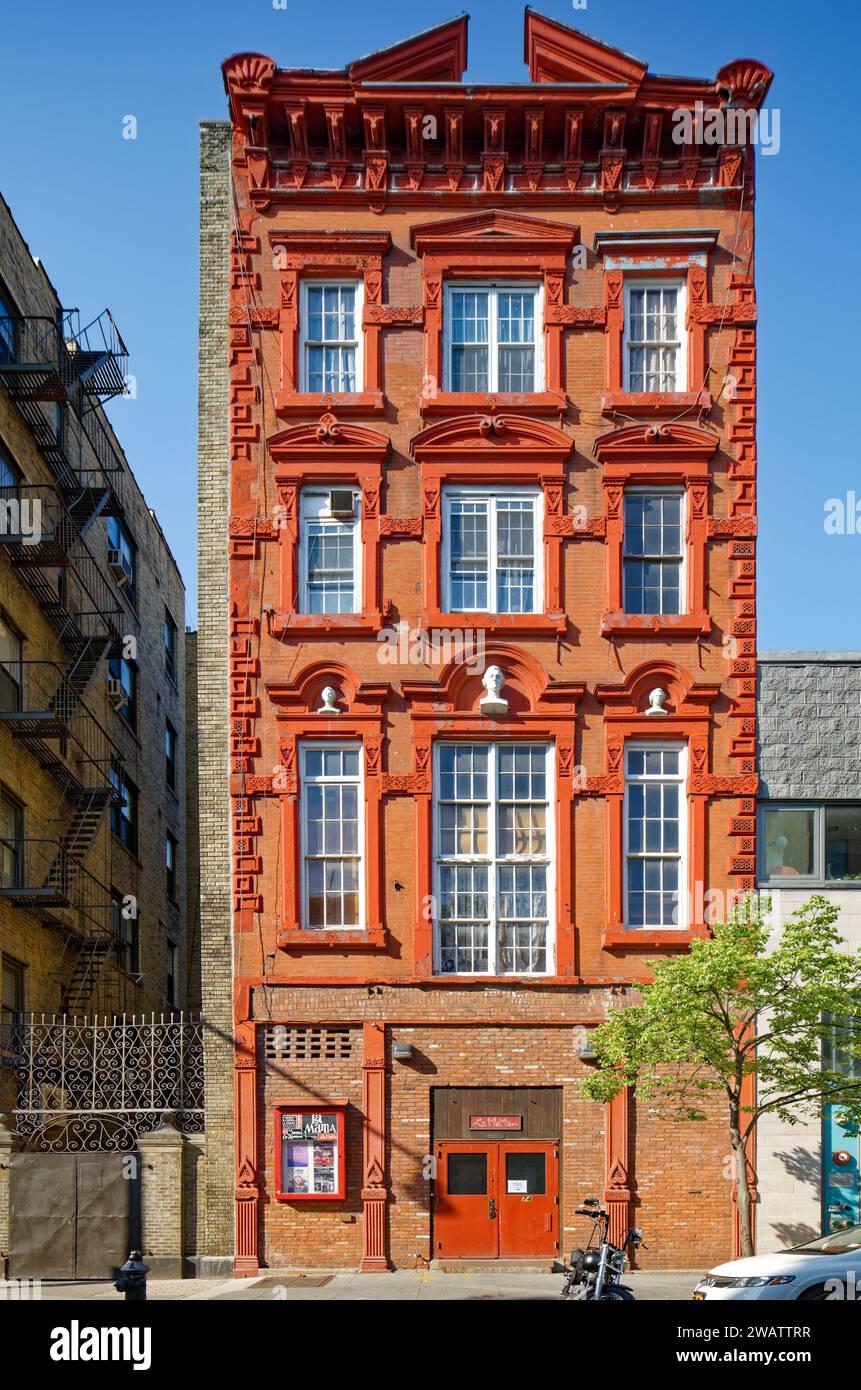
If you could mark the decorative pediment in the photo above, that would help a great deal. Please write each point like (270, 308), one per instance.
(671, 442)
(527, 686)
(683, 696)
(520, 436)
(304, 696)
(557, 53)
(493, 231)
(340, 439)
(437, 55)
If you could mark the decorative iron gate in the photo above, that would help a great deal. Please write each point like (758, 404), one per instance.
(93, 1086)
(82, 1092)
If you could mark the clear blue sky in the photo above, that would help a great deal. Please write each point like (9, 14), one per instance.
(115, 221)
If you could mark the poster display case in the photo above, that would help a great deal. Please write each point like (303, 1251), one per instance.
(309, 1153)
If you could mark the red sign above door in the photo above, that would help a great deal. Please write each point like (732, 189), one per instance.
(496, 1121)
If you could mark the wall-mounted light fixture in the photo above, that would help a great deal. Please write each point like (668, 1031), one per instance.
(402, 1052)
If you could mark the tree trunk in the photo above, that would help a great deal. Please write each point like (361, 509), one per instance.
(743, 1202)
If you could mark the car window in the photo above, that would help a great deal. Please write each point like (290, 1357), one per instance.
(835, 1243)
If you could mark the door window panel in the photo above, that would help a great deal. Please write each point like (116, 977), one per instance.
(526, 1173)
(467, 1175)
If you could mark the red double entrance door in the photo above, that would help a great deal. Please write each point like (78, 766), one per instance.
(496, 1200)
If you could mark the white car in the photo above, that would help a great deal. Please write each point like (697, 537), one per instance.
(827, 1268)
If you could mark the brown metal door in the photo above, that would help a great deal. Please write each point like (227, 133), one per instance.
(106, 1225)
(43, 1190)
(74, 1216)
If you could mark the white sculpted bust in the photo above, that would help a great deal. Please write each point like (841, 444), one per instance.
(328, 706)
(656, 702)
(493, 701)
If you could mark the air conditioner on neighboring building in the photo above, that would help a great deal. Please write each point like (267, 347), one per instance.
(342, 502)
(119, 568)
(116, 694)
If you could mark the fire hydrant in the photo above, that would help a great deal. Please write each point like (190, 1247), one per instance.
(131, 1279)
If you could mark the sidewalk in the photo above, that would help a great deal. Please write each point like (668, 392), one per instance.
(404, 1285)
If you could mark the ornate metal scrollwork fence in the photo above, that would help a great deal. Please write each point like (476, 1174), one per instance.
(91, 1085)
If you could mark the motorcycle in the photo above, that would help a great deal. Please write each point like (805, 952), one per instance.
(595, 1274)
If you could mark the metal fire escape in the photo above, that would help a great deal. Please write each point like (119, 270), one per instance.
(57, 373)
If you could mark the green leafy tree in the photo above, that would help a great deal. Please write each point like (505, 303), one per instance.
(749, 1002)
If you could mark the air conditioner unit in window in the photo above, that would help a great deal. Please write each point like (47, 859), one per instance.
(342, 502)
(119, 568)
(116, 694)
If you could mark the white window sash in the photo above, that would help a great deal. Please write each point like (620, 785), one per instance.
(650, 746)
(358, 286)
(492, 861)
(328, 745)
(684, 602)
(536, 496)
(309, 512)
(680, 287)
(491, 290)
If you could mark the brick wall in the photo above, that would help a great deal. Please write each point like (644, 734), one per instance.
(215, 1235)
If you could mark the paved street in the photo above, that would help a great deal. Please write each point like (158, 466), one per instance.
(402, 1285)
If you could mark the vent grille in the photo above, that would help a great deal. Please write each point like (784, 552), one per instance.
(307, 1044)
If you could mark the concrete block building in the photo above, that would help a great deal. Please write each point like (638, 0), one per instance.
(809, 842)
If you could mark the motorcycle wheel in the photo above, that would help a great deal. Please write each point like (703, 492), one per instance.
(618, 1295)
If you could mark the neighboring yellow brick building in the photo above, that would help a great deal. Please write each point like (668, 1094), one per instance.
(93, 863)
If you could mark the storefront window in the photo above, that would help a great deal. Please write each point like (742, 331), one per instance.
(843, 842)
(790, 842)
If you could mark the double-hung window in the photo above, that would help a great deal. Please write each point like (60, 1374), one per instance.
(655, 337)
(121, 556)
(493, 338)
(8, 324)
(331, 337)
(492, 551)
(126, 673)
(170, 632)
(331, 782)
(655, 831)
(11, 847)
(494, 853)
(330, 559)
(11, 666)
(653, 553)
(124, 809)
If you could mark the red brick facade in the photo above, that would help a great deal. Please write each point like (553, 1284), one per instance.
(578, 190)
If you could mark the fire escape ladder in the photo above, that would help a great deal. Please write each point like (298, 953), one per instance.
(85, 977)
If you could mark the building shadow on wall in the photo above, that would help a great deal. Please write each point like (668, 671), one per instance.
(804, 1166)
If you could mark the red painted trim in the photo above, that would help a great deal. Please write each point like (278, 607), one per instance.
(329, 452)
(489, 245)
(304, 1108)
(350, 255)
(375, 1182)
(538, 709)
(478, 450)
(296, 704)
(695, 399)
(688, 720)
(672, 455)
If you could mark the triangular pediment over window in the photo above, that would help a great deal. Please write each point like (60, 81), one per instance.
(493, 230)
(556, 53)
